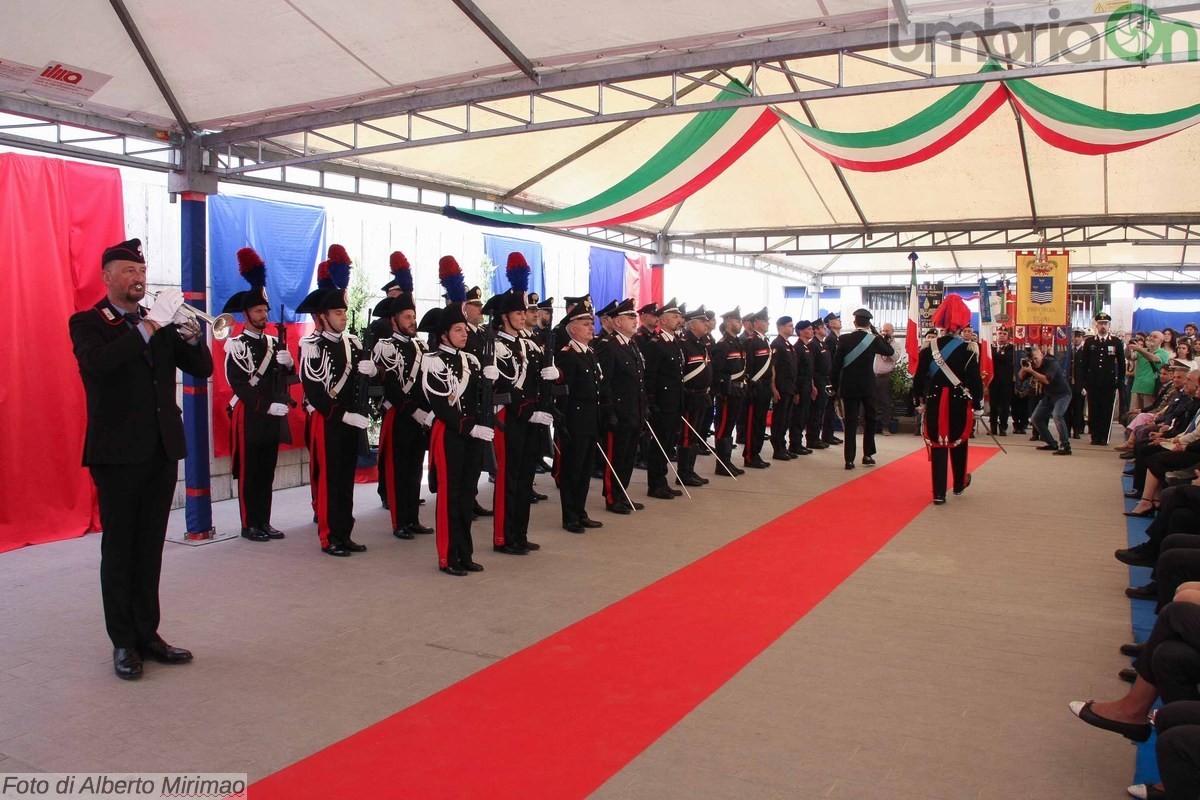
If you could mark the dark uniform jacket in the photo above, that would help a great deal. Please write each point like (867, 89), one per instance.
(697, 364)
(1004, 362)
(580, 407)
(130, 386)
(664, 373)
(399, 360)
(804, 368)
(642, 336)
(929, 381)
(729, 367)
(785, 365)
(323, 362)
(625, 371)
(476, 341)
(253, 385)
(1102, 362)
(858, 378)
(450, 381)
(520, 362)
(822, 362)
(758, 366)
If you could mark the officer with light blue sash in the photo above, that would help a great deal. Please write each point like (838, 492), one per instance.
(854, 383)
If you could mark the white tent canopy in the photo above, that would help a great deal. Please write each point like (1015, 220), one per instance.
(259, 81)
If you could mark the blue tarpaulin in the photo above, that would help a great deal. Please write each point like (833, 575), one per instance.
(1165, 306)
(606, 280)
(497, 249)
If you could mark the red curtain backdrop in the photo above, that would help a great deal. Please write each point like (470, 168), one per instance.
(56, 217)
(222, 394)
(637, 280)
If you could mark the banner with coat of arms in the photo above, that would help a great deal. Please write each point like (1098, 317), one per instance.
(1042, 293)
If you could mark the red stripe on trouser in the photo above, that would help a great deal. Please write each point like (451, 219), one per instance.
(557, 461)
(610, 496)
(387, 453)
(437, 454)
(724, 416)
(499, 445)
(969, 425)
(749, 429)
(239, 428)
(322, 483)
(312, 460)
(685, 435)
(944, 416)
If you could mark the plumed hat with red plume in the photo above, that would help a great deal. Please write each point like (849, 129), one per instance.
(335, 272)
(451, 277)
(254, 270)
(952, 314)
(401, 272)
(518, 272)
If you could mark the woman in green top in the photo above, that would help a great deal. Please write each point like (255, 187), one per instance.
(1151, 358)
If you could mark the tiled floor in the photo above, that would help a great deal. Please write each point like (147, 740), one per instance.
(941, 669)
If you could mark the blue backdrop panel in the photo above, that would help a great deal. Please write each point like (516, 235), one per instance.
(497, 249)
(289, 237)
(606, 281)
(967, 293)
(1165, 306)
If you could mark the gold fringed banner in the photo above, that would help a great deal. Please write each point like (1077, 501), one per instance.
(1043, 297)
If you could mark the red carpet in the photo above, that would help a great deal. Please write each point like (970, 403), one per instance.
(596, 694)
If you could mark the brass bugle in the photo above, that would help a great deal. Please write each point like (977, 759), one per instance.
(221, 326)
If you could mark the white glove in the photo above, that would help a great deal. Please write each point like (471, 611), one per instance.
(285, 358)
(491, 372)
(278, 410)
(550, 373)
(423, 417)
(367, 368)
(355, 420)
(182, 317)
(165, 306)
(483, 432)
(540, 418)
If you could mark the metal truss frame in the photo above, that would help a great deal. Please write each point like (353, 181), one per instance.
(1083, 274)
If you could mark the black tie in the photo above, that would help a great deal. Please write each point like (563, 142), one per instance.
(135, 319)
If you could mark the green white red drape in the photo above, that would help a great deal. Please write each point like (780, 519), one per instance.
(713, 140)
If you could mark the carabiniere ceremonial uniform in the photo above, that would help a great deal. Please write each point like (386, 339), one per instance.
(759, 379)
(729, 383)
(1103, 369)
(697, 399)
(625, 370)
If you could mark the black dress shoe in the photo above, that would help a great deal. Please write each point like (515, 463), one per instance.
(1143, 555)
(782, 455)
(383, 502)
(964, 486)
(588, 522)
(417, 527)
(471, 566)
(757, 463)
(1133, 649)
(455, 571)
(539, 496)
(661, 493)
(1135, 732)
(355, 547)
(335, 550)
(803, 451)
(127, 663)
(703, 480)
(849, 465)
(510, 549)
(832, 440)
(255, 535)
(639, 506)
(1147, 592)
(539, 468)
(1074, 435)
(1048, 447)
(421, 502)
(868, 461)
(618, 508)
(573, 527)
(1063, 451)
(1129, 675)
(939, 501)
(1128, 456)
(164, 653)
(480, 511)
(674, 492)
(531, 546)
(688, 480)
(820, 446)
(273, 532)
(403, 533)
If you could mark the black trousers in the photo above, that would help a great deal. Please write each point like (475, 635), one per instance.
(1100, 412)
(957, 458)
(801, 414)
(666, 427)
(781, 420)
(574, 474)
(1178, 512)
(1075, 416)
(728, 414)
(1001, 408)
(827, 423)
(1178, 562)
(335, 449)
(135, 503)
(1164, 461)
(854, 406)
(620, 445)
(255, 450)
(1178, 749)
(755, 424)
(1170, 658)
(458, 461)
(1020, 412)
(401, 455)
(817, 414)
(516, 448)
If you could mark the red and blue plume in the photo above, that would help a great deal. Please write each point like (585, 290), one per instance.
(252, 267)
(450, 274)
(952, 314)
(518, 272)
(337, 267)
(324, 278)
(402, 272)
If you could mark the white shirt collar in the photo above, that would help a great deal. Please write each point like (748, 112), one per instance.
(331, 336)
(508, 337)
(253, 334)
(667, 337)
(445, 348)
(579, 347)
(401, 336)
(622, 338)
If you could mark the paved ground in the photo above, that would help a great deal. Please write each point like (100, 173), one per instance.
(941, 669)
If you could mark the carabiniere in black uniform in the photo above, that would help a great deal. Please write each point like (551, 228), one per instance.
(625, 370)
(759, 380)
(697, 395)
(729, 385)
(664, 393)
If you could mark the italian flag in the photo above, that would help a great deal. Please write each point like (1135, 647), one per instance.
(708, 145)
(912, 334)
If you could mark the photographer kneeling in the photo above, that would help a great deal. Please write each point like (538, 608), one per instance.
(1056, 397)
